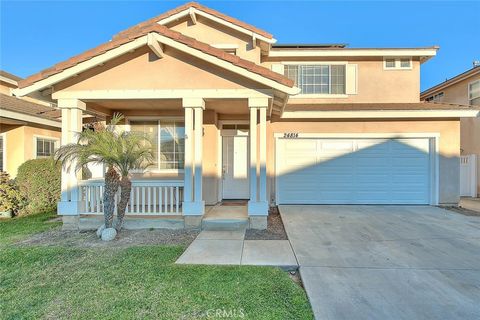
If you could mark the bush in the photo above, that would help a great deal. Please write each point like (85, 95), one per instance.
(10, 197)
(39, 183)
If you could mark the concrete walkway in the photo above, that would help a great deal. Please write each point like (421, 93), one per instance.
(230, 248)
(387, 262)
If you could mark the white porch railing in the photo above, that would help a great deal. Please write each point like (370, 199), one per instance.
(148, 197)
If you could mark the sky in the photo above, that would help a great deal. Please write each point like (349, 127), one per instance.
(34, 35)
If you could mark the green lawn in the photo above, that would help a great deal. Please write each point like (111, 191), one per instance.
(136, 282)
(17, 228)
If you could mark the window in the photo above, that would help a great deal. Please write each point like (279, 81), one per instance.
(2, 153)
(474, 93)
(397, 63)
(317, 79)
(168, 142)
(405, 63)
(389, 63)
(45, 147)
(436, 97)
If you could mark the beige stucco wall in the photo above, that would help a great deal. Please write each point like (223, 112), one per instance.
(19, 142)
(458, 92)
(374, 84)
(143, 70)
(216, 34)
(470, 127)
(449, 144)
(6, 88)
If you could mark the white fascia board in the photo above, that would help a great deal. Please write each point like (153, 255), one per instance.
(29, 118)
(427, 52)
(83, 66)
(142, 41)
(221, 21)
(380, 114)
(227, 65)
(8, 80)
(164, 94)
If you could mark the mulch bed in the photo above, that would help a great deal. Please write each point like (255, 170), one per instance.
(126, 238)
(275, 229)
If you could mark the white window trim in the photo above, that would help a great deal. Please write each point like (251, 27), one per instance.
(319, 95)
(397, 63)
(469, 92)
(220, 152)
(4, 137)
(37, 136)
(158, 119)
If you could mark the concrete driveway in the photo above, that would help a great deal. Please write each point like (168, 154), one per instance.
(387, 262)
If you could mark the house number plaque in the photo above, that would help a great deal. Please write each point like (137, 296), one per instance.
(290, 135)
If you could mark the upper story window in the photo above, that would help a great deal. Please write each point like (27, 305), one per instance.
(397, 63)
(167, 137)
(474, 93)
(436, 97)
(45, 147)
(317, 78)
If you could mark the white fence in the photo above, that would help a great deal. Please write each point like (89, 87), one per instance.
(468, 176)
(148, 197)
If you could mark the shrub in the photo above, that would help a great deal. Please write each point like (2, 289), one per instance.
(39, 183)
(10, 197)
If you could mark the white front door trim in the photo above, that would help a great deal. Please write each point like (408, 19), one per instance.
(220, 133)
(434, 152)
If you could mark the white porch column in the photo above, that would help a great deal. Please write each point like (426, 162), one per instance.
(71, 126)
(258, 204)
(193, 204)
(188, 172)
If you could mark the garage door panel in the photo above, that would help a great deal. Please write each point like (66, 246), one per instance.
(351, 171)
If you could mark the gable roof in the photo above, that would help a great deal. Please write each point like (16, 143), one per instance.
(460, 77)
(9, 75)
(199, 7)
(17, 105)
(178, 37)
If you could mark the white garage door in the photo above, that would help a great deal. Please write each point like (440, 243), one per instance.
(353, 171)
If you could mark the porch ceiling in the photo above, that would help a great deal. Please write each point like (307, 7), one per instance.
(222, 106)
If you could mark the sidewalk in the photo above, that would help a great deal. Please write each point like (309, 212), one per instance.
(230, 248)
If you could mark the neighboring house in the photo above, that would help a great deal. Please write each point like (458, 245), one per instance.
(29, 128)
(235, 116)
(462, 89)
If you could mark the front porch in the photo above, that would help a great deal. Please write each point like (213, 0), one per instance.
(180, 195)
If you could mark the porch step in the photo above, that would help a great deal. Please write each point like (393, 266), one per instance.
(470, 203)
(224, 224)
(225, 218)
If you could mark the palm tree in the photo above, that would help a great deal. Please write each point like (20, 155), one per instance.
(120, 151)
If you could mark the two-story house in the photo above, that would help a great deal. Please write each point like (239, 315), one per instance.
(29, 127)
(463, 89)
(233, 115)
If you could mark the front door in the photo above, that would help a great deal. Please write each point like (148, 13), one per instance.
(235, 167)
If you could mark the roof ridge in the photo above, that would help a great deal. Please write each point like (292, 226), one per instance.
(447, 82)
(164, 31)
(200, 7)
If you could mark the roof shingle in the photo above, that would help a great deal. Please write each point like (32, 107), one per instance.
(201, 8)
(26, 107)
(135, 33)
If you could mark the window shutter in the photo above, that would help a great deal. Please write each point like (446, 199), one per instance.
(351, 81)
(278, 68)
